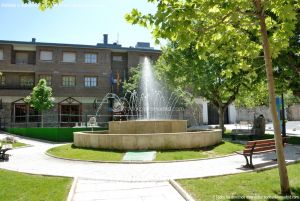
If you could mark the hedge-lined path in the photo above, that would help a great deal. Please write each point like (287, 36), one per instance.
(34, 160)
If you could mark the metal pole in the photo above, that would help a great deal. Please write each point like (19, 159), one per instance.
(283, 117)
(86, 120)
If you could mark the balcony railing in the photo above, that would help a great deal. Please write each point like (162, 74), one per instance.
(23, 57)
(16, 87)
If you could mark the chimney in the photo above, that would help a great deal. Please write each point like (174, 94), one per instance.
(105, 39)
(33, 40)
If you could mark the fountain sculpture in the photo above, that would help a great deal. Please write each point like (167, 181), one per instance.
(152, 127)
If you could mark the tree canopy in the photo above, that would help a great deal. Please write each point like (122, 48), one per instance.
(43, 4)
(183, 69)
(41, 97)
(212, 24)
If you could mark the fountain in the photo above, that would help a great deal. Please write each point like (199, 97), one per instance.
(152, 127)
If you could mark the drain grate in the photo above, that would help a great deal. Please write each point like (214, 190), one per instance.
(139, 156)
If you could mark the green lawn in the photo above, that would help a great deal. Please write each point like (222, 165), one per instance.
(222, 149)
(17, 144)
(69, 151)
(263, 183)
(24, 187)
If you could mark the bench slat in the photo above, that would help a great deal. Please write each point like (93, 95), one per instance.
(259, 149)
(261, 145)
(259, 142)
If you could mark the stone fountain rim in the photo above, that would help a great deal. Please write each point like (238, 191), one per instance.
(106, 132)
(150, 120)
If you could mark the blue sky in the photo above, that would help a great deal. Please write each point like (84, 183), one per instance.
(74, 21)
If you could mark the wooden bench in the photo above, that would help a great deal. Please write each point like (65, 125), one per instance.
(258, 147)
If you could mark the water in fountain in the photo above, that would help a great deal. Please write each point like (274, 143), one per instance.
(154, 101)
(151, 102)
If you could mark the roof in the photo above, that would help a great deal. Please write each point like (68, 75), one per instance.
(116, 47)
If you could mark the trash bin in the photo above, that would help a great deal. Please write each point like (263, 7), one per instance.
(259, 125)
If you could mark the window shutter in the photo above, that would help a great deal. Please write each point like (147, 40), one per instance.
(1, 54)
(69, 57)
(46, 55)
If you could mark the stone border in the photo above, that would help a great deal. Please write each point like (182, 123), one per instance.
(181, 191)
(72, 190)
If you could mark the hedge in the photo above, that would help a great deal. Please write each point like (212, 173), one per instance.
(50, 134)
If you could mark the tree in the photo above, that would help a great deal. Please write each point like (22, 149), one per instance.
(43, 4)
(134, 79)
(210, 23)
(287, 64)
(183, 69)
(41, 98)
(251, 97)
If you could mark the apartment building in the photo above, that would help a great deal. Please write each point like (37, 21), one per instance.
(78, 75)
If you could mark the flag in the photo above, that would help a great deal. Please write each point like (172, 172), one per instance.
(118, 81)
(112, 78)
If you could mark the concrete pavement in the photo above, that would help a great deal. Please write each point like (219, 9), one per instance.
(34, 160)
(88, 190)
(292, 127)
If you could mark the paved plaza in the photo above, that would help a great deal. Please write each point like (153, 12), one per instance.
(117, 181)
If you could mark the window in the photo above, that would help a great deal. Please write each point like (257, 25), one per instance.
(2, 80)
(48, 79)
(1, 54)
(21, 111)
(90, 81)
(46, 55)
(68, 81)
(90, 58)
(21, 58)
(69, 57)
(26, 81)
(117, 58)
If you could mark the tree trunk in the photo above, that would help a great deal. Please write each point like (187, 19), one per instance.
(284, 180)
(221, 119)
(42, 119)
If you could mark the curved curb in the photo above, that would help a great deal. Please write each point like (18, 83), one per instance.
(180, 190)
(72, 190)
(25, 146)
(136, 162)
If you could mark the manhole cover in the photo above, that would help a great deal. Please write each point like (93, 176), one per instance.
(139, 156)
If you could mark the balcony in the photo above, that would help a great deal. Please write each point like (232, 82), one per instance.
(16, 87)
(23, 57)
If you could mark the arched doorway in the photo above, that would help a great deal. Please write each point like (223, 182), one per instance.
(21, 112)
(69, 112)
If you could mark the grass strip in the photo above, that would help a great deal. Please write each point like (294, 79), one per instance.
(263, 185)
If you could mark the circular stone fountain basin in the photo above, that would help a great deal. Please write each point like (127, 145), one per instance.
(147, 135)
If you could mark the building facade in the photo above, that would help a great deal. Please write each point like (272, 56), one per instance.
(78, 75)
